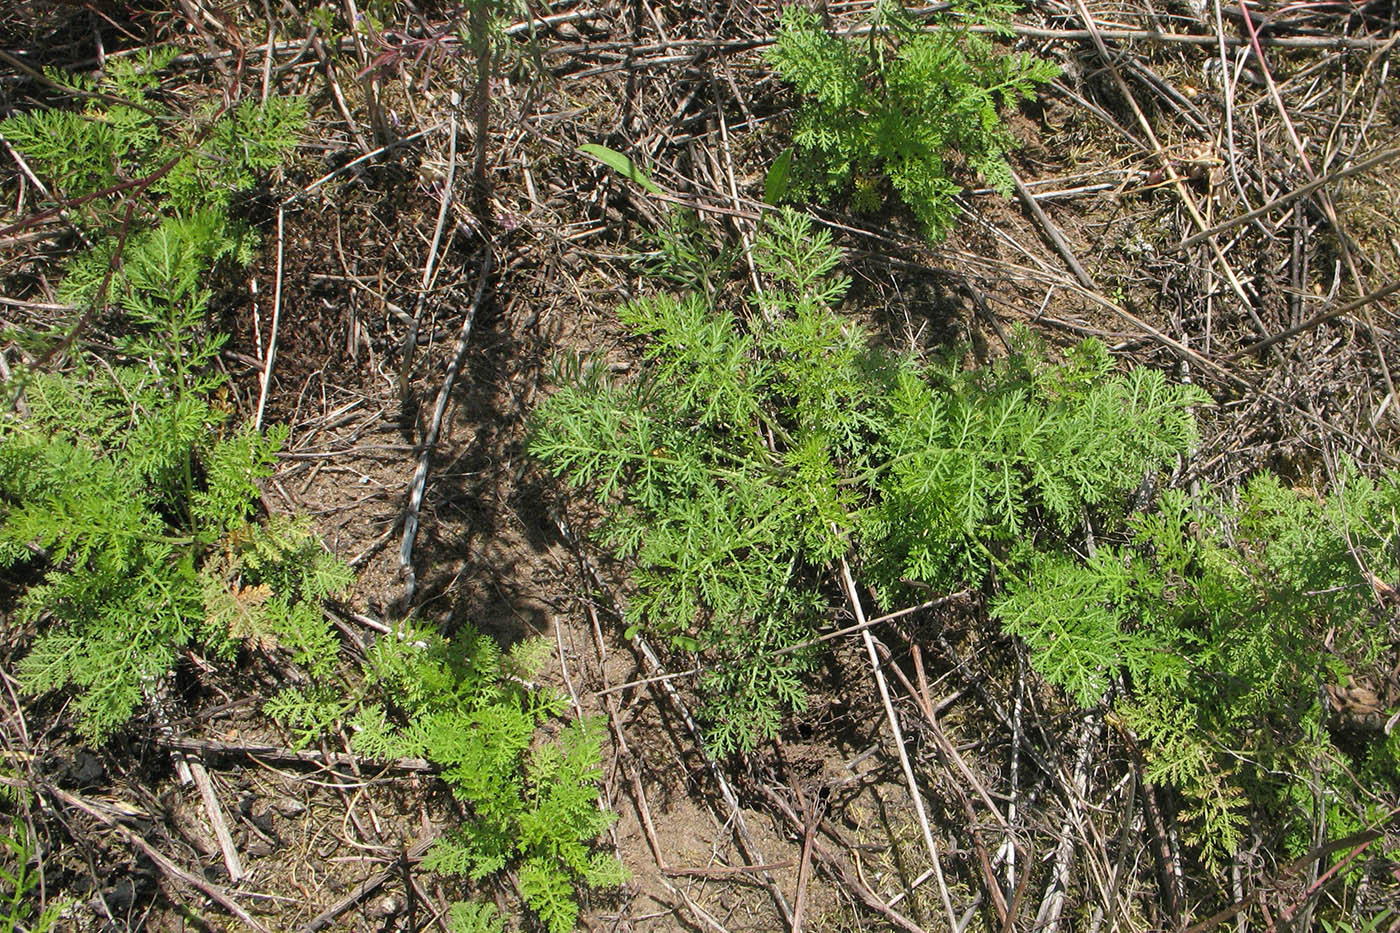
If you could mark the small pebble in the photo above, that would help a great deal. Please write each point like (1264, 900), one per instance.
(289, 806)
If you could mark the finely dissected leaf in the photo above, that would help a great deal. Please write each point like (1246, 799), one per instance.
(21, 884)
(233, 467)
(898, 104)
(475, 918)
(548, 894)
(144, 552)
(753, 451)
(533, 803)
(1065, 613)
(621, 164)
(699, 355)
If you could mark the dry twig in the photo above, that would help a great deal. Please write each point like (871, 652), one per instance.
(898, 736)
(107, 817)
(420, 474)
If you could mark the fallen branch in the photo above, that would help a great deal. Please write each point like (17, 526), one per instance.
(949, 753)
(726, 871)
(270, 356)
(1053, 234)
(1302, 191)
(420, 475)
(410, 340)
(898, 736)
(286, 756)
(1358, 840)
(747, 844)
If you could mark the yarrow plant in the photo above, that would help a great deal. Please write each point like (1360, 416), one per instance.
(21, 884)
(755, 449)
(471, 710)
(902, 105)
(461, 703)
(123, 488)
(764, 439)
(1208, 623)
(132, 503)
(533, 802)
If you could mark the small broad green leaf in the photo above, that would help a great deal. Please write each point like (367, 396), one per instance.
(775, 184)
(620, 164)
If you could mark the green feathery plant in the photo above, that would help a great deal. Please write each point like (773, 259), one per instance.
(1218, 620)
(150, 187)
(760, 444)
(471, 710)
(903, 103)
(136, 507)
(123, 490)
(20, 884)
(533, 803)
(757, 444)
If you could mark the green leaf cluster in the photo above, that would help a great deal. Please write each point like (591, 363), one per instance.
(533, 802)
(125, 495)
(150, 188)
(979, 466)
(125, 143)
(760, 443)
(133, 506)
(1220, 617)
(903, 105)
(529, 786)
(20, 884)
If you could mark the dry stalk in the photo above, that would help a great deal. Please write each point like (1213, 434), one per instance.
(410, 340)
(898, 736)
(215, 811)
(731, 800)
(367, 887)
(420, 474)
(1048, 917)
(270, 356)
(834, 867)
